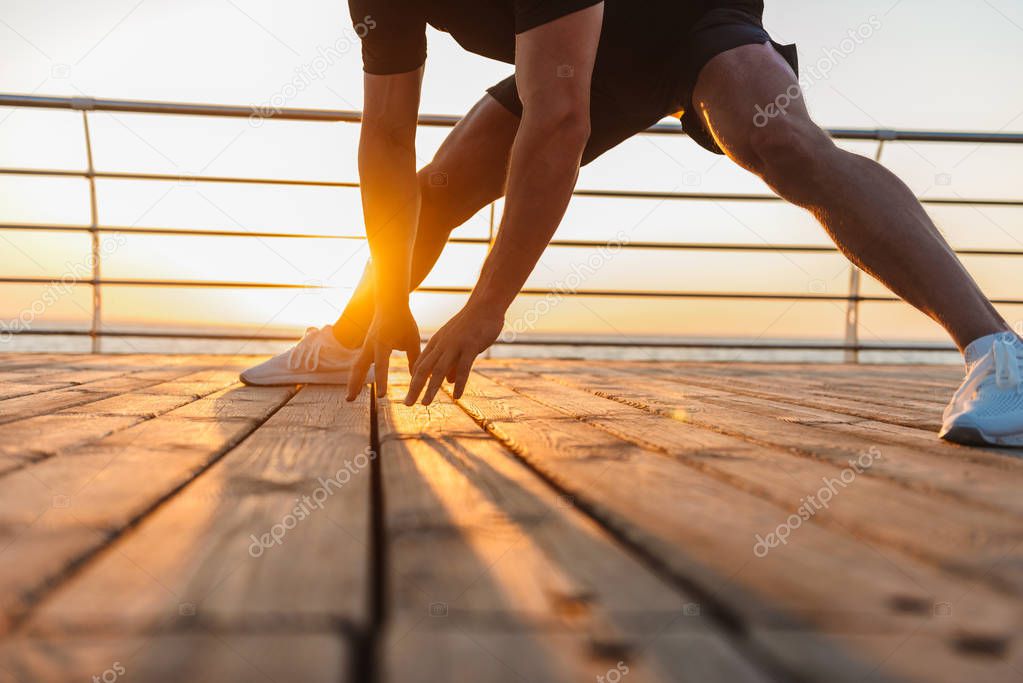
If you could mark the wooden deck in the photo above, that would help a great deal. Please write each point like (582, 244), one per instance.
(565, 521)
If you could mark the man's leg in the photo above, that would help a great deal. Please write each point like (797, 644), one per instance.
(467, 173)
(872, 216)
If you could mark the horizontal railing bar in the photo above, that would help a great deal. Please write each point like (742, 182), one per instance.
(353, 116)
(731, 197)
(652, 294)
(54, 172)
(948, 201)
(541, 341)
(767, 346)
(177, 178)
(595, 293)
(578, 244)
(213, 284)
(889, 135)
(593, 194)
(185, 232)
(744, 247)
(182, 108)
(658, 294)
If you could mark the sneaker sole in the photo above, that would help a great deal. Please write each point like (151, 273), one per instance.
(973, 436)
(329, 378)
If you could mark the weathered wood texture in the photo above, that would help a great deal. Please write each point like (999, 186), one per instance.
(173, 658)
(563, 521)
(494, 576)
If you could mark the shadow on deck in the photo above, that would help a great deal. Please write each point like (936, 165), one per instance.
(564, 521)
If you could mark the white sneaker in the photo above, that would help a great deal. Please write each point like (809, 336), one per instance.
(318, 359)
(988, 407)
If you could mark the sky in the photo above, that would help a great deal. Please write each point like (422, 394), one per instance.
(930, 64)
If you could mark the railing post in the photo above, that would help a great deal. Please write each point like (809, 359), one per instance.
(97, 294)
(852, 317)
(491, 229)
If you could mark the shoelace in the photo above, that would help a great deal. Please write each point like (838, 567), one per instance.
(306, 353)
(1000, 366)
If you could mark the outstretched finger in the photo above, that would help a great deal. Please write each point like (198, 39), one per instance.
(440, 370)
(422, 372)
(357, 376)
(462, 371)
(428, 351)
(383, 363)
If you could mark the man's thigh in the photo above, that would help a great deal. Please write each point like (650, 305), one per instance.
(747, 94)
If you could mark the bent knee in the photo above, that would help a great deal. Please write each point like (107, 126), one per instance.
(788, 149)
(434, 181)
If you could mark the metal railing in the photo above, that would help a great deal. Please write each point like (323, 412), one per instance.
(851, 345)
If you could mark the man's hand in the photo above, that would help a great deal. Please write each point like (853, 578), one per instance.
(390, 330)
(451, 353)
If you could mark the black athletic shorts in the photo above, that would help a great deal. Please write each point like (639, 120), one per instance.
(614, 118)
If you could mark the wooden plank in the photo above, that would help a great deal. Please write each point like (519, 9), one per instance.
(60, 371)
(704, 530)
(871, 419)
(976, 659)
(172, 658)
(927, 466)
(941, 531)
(84, 370)
(52, 401)
(417, 653)
(25, 361)
(276, 533)
(884, 377)
(910, 414)
(52, 374)
(107, 383)
(35, 438)
(155, 399)
(15, 389)
(529, 588)
(137, 404)
(877, 391)
(788, 382)
(176, 378)
(882, 429)
(929, 375)
(56, 512)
